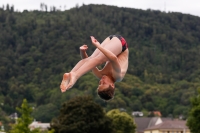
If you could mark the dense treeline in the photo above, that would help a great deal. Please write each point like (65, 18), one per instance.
(37, 47)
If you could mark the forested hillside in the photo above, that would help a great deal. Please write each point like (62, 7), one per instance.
(38, 47)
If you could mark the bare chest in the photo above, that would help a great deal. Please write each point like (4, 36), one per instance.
(123, 61)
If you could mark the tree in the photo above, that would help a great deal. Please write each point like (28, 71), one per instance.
(193, 121)
(81, 115)
(41, 113)
(22, 124)
(122, 122)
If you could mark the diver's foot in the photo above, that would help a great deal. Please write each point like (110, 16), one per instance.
(64, 83)
(73, 80)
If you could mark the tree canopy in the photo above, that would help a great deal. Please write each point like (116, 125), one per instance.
(81, 115)
(122, 121)
(22, 124)
(193, 121)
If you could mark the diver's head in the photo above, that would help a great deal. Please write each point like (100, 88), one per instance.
(106, 88)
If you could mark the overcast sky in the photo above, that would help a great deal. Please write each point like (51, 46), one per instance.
(184, 6)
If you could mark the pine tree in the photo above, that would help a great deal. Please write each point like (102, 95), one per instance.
(22, 124)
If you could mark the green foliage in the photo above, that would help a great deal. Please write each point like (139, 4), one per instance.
(51, 131)
(22, 124)
(193, 121)
(81, 115)
(42, 112)
(5, 120)
(122, 121)
(38, 47)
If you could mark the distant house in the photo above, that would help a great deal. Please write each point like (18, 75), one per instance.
(155, 113)
(156, 124)
(173, 126)
(137, 113)
(41, 126)
(14, 116)
(143, 123)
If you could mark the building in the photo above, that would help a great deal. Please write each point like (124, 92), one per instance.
(160, 125)
(155, 113)
(41, 126)
(143, 123)
(173, 126)
(137, 113)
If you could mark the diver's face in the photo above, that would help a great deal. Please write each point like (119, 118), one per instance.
(105, 82)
